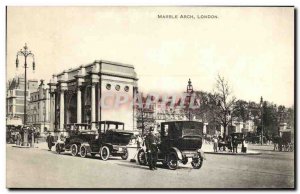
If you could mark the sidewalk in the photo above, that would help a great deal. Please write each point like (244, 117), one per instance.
(208, 149)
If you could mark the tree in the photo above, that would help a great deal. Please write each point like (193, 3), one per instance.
(223, 102)
(241, 110)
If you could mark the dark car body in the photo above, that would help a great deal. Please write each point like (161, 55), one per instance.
(109, 139)
(180, 140)
(80, 138)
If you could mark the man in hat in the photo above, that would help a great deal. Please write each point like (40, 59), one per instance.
(151, 148)
(50, 141)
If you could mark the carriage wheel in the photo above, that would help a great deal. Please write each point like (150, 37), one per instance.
(172, 161)
(104, 153)
(83, 152)
(125, 155)
(197, 162)
(74, 150)
(141, 156)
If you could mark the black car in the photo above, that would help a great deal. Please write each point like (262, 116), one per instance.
(180, 140)
(109, 140)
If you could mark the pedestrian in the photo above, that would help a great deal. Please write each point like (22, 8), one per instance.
(50, 141)
(275, 142)
(229, 143)
(215, 142)
(151, 149)
(138, 141)
(244, 146)
(18, 138)
(30, 137)
(36, 136)
(234, 144)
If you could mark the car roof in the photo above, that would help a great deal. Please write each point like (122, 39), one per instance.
(79, 124)
(181, 122)
(109, 122)
(88, 131)
(120, 131)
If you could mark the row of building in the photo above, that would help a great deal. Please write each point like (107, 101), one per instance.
(73, 97)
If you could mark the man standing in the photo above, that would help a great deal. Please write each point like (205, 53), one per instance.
(215, 140)
(234, 144)
(50, 141)
(151, 149)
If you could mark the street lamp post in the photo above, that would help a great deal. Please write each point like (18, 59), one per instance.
(189, 91)
(262, 123)
(25, 53)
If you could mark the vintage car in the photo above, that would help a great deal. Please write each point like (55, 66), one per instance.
(179, 140)
(109, 140)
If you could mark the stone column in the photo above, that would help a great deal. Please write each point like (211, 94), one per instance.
(52, 111)
(62, 110)
(79, 105)
(93, 106)
(94, 80)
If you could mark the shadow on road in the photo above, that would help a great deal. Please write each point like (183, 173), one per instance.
(159, 166)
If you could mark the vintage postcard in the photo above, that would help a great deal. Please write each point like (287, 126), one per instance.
(150, 97)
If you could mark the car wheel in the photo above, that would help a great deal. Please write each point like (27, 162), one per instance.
(125, 155)
(172, 161)
(83, 151)
(74, 150)
(57, 148)
(197, 162)
(184, 160)
(141, 156)
(104, 153)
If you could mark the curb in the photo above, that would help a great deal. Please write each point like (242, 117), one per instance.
(17, 146)
(233, 154)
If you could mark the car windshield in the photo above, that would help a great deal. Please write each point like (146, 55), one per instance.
(110, 126)
(190, 128)
(191, 132)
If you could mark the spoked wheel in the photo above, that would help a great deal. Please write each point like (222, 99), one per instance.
(141, 156)
(74, 150)
(197, 162)
(104, 153)
(57, 148)
(184, 160)
(125, 155)
(172, 161)
(83, 151)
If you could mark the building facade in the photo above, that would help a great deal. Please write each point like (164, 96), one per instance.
(80, 95)
(39, 108)
(15, 97)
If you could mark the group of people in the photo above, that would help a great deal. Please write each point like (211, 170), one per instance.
(23, 136)
(229, 142)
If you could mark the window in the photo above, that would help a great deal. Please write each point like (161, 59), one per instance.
(126, 88)
(165, 129)
(108, 86)
(117, 87)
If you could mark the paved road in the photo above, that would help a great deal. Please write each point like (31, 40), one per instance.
(33, 167)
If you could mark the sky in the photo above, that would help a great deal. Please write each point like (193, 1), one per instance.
(252, 47)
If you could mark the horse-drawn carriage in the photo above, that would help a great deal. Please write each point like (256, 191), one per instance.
(285, 142)
(231, 142)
